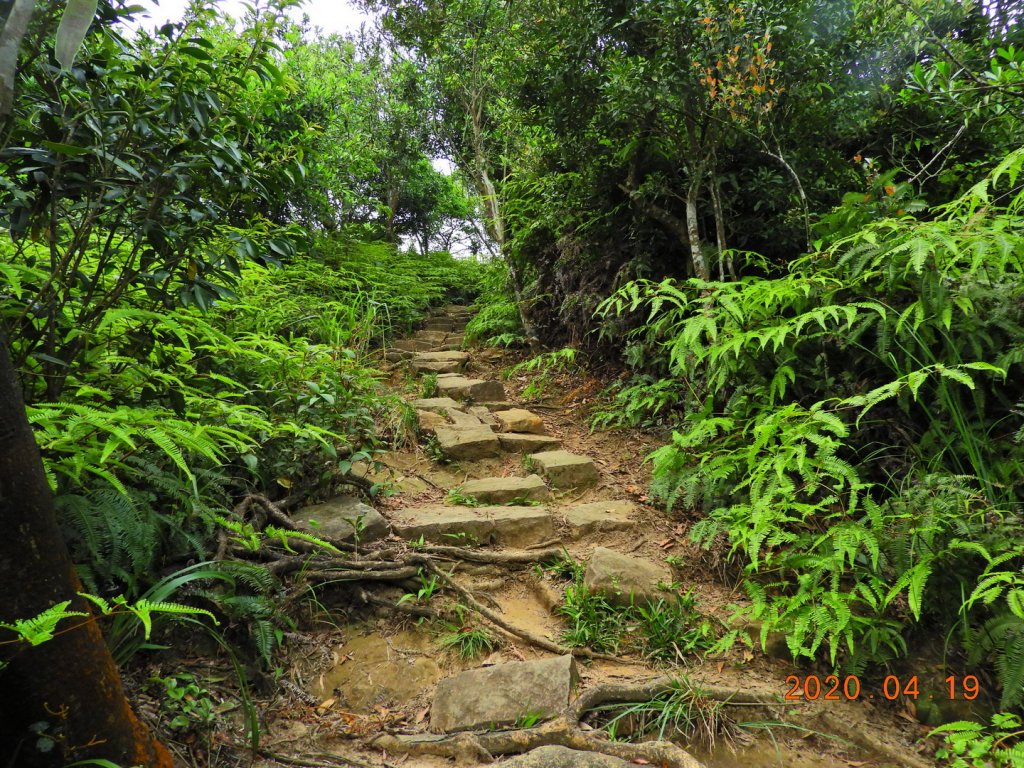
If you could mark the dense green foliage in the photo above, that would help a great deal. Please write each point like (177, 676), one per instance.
(201, 260)
(796, 225)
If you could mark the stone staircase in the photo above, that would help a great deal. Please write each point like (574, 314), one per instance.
(474, 424)
(529, 493)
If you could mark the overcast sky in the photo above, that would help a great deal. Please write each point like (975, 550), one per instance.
(331, 15)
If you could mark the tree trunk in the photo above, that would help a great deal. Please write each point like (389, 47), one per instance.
(725, 264)
(12, 30)
(700, 264)
(69, 683)
(493, 220)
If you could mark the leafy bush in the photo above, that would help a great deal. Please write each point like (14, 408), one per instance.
(849, 429)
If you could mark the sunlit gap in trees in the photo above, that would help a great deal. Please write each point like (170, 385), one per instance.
(331, 16)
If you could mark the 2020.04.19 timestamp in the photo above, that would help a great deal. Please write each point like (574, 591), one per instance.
(848, 688)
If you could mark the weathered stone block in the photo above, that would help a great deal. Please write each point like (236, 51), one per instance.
(599, 517)
(501, 695)
(520, 420)
(468, 443)
(478, 389)
(334, 518)
(566, 470)
(484, 414)
(413, 345)
(519, 442)
(430, 421)
(435, 404)
(623, 579)
(507, 526)
(502, 490)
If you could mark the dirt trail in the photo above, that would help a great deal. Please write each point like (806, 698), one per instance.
(387, 694)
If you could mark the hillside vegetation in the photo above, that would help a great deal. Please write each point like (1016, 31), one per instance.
(794, 232)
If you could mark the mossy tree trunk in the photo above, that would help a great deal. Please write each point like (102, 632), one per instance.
(69, 683)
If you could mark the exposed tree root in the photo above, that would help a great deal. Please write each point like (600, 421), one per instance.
(482, 747)
(534, 640)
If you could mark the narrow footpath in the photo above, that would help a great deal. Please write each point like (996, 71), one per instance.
(525, 521)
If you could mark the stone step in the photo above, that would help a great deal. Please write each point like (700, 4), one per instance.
(483, 413)
(436, 404)
(623, 580)
(520, 420)
(506, 526)
(478, 390)
(598, 517)
(439, 362)
(413, 345)
(565, 470)
(502, 695)
(523, 442)
(446, 324)
(502, 490)
(431, 337)
(467, 443)
(339, 518)
(397, 355)
(429, 421)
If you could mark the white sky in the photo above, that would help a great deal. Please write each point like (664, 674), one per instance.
(331, 15)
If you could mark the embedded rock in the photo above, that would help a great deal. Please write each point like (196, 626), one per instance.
(599, 517)
(470, 443)
(622, 579)
(565, 470)
(521, 442)
(502, 490)
(507, 526)
(520, 420)
(338, 518)
(464, 388)
(435, 404)
(502, 695)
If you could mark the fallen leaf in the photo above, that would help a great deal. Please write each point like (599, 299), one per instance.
(667, 543)
(421, 715)
(640, 761)
(720, 666)
(327, 703)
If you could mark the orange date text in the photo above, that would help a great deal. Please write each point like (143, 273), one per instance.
(849, 688)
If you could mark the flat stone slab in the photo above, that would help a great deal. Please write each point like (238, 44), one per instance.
(429, 421)
(502, 490)
(463, 420)
(521, 442)
(435, 404)
(599, 517)
(397, 355)
(334, 518)
(443, 357)
(520, 420)
(477, 389)
(501, 695)
(485, 416)
(413, 345)
(563, 757)
(507, 526)
(467, 443)
(622, 579)
(565, 470)
(433, 337)
(434, 367)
